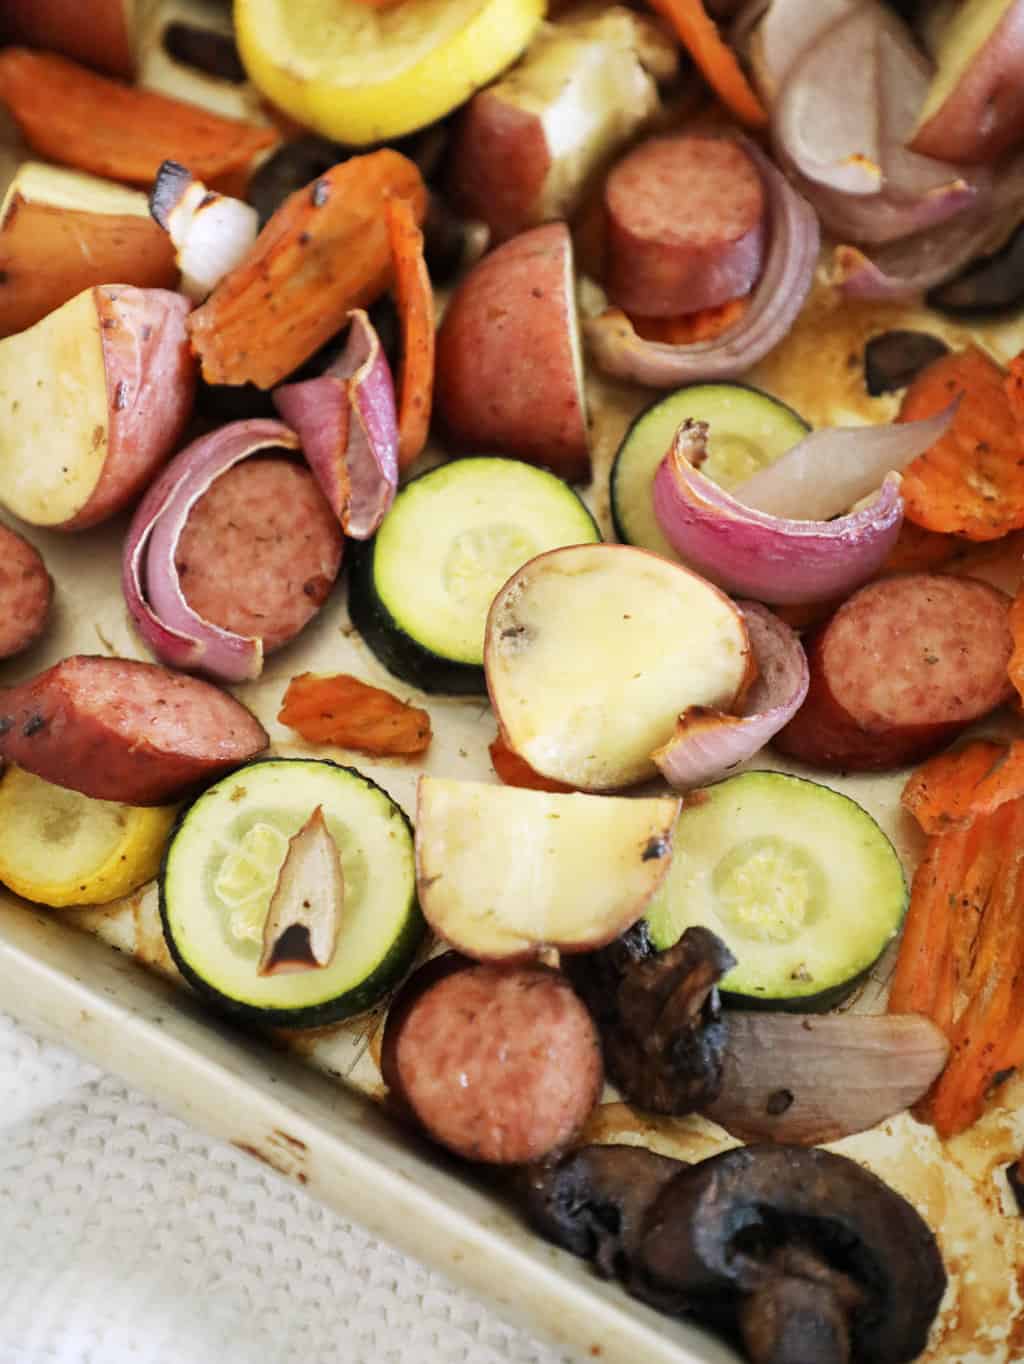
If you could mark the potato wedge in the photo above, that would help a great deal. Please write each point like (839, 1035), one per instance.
(503, 872)
(593, 651)
(62, 231)
(92, 400)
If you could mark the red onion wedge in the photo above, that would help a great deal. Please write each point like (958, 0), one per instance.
(841, 123)
(752, 554)
(348, 425)
(780, 31)
(790, 260)
(211, 232)
(708, 743)
(829, 470)
(169, 626)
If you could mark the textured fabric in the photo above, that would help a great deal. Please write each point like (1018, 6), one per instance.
(127, 1236)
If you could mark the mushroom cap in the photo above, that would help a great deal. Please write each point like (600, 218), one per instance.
(715, 1230)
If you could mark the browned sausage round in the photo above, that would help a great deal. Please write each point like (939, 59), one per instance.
(685, 225)
(26, 592)
(499, 1064)
(899, 670)
(117, 729)
(260, 551)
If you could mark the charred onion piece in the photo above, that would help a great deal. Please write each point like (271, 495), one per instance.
(821, 1261)
(304, 918)
(593, 1201)
(659, 1016)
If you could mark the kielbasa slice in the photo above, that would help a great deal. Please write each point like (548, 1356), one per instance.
(499, 1064)
(900, 669)
(117, 729)
(685, 225)
(26, 593)
(260, 551)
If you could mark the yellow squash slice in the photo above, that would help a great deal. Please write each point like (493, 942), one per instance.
(61, 848)
(359, 74)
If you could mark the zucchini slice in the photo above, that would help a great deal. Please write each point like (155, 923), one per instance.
(221, 867)
(747, 429)
(798, 880)
(420, 591)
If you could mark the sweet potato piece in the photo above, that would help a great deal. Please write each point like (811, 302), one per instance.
(704, 325)
(516, 771)
(342, 710)
(324, 252)
(940, 792)
(77, 118)
(971, 481)
(415, 300)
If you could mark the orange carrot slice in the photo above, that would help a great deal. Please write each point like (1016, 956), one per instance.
(971, 481)
(516, 771)
(940, 793)
(77, 118)
(717, 61)
(323, 252)
(1016, 664)
(415, 300)
(344, 711)
(926, 929)
(704, 325)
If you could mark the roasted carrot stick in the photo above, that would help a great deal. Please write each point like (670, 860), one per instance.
(978, 1043)
(927, 926)
(324, 252)
(717, 61)
(940, 793)
(77, 118)
(1015, 387)
(1015, 667)
(971, 481)
(415, 300)
(342, 710)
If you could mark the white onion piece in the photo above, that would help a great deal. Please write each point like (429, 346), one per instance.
(348, 425)
(824, 474)
(708, 743)
(778, 296)
(752, 554)
(212, 232)
(177, 634)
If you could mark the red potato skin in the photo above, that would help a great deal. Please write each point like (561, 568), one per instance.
(26, 593)
(684, 226)
(984, 115)
(499, 161)
(95, 33)
(260, 551)
(500, 1064)
(117, 729)
(879, 635)
(506, 379)
(151, 387)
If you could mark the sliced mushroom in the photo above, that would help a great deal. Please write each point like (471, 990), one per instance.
(300, 932)
(659, 1014)
(893, 358)
(993, 284)
(727, 1238)
(593, 1201)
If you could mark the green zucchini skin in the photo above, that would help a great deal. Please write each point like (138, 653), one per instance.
(401, 652)
(398, 651)
(821, 1003)
(387, 975)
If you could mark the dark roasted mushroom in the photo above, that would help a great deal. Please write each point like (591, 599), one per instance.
(893, 358)
(593, 1201)
(662, 1032)
(818, 1260)
(1015, 1176)
(992, 284)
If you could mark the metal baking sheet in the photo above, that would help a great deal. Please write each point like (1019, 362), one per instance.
(304, 1102)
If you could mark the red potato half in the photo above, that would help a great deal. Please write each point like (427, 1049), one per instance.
(509, 366)
(61, 232)
(99, 33)
(974, 110)
(503, 872)
(526, 146)
(93, 399)
(593, 652)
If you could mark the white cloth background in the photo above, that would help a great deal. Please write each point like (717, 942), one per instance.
(125, 1235)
